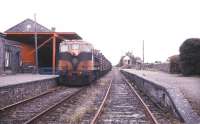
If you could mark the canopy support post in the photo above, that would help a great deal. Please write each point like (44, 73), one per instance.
(54, 54)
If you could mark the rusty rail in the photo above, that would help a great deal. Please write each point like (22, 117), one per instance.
(97, 114)
(53, 106)
(147, 110)
(26, 100)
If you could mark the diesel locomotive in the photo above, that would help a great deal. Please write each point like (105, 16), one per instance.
(80, 64)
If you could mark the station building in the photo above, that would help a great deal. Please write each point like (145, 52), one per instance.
(18, 51)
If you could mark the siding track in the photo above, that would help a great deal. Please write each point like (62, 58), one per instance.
(31, 109)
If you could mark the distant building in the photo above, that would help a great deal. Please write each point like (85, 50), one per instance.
(130, 61)
(126, 60)
(9, 56)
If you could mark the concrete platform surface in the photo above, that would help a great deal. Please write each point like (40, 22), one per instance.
(189, 86)
(22, 78)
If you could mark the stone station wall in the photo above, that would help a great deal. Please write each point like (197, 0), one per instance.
(14, 93)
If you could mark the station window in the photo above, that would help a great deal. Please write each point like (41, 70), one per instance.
(7, 58)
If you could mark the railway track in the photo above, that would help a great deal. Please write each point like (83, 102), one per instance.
(27, 100)
(31, 109)
(123, 105)
(74, 111)
(162, 115)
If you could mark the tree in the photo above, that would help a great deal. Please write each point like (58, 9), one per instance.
(190, 56)
(120, 62)
(174, 64)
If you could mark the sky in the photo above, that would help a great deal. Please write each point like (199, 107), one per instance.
(114, 26)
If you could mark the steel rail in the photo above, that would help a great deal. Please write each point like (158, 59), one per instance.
(152, 117)
(26, 100)
(53, 106)
(97, 114)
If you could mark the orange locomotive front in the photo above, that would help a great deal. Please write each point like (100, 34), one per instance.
(76, 63)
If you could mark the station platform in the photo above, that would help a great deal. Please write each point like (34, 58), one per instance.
(17, 79)
(14, 88)
(189, 87)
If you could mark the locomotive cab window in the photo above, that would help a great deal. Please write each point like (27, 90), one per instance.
(75, 46)
(64, 48)
(86, 48)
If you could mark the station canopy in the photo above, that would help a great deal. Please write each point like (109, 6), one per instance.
(48, 40)
(25, 32)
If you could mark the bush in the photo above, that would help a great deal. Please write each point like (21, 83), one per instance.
(190, 56)
(175, 64)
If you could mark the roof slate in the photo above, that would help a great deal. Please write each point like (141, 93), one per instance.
(28, 25)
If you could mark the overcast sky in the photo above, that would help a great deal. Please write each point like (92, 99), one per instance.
(114, 26)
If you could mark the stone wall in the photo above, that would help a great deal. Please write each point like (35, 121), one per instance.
(14, 93)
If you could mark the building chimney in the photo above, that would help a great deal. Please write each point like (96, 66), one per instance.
(53, 29)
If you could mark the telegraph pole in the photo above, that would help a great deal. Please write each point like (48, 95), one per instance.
(36, 49)
(143, 51)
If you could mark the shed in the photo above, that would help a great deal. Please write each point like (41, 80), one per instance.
(48, 42)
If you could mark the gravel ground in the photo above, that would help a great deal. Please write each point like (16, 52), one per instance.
(21, 113)
(189, 86)
(78, 108)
